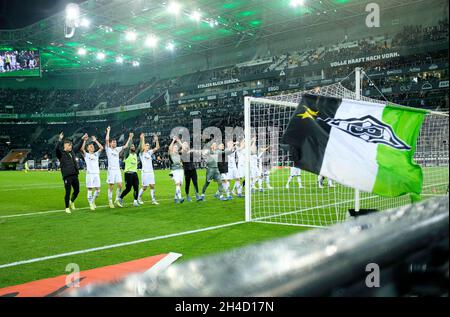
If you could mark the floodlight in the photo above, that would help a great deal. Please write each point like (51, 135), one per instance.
(174, 8)
(82, 51)
(170, 46)
(297, 3)
(72, 20)
(195, 15)
(101, 56)
(72, 11)
(151, 41)
(131, 36)
(85, 23)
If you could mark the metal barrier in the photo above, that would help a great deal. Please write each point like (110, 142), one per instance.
(404, 243)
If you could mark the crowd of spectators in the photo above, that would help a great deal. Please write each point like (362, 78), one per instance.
(222, 112)
(33, 100)
(415, 34)
(114, 95)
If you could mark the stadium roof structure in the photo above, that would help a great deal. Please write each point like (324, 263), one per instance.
(221, 23)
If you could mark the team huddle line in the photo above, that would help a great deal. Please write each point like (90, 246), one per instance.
(224, 164)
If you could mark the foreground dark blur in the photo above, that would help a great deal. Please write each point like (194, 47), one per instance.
(409, 245)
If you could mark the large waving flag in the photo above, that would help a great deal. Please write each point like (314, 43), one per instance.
(367, 146)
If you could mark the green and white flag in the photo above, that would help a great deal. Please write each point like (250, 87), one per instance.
(363, 145)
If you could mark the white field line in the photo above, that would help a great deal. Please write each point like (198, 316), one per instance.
(259, 219)
(309, 209)
(40, 186)
(41, 213)
(288, 224)
(167, 199)
(163, 264)
(117, 245)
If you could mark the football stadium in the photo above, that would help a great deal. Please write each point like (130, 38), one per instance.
(235, 148)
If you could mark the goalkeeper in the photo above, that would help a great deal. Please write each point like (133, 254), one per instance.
(212, 170)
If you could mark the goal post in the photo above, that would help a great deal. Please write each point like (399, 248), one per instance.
(279, 193)
(247, 135)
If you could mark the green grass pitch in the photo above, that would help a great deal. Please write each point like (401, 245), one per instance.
(22, 73)
(46, 234)
(34, 225)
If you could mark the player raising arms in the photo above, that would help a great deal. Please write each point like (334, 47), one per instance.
(212, 170)
(69, 169)
(190, 171)
(241, 168)
(131, 176)
(263, 169)
(222, 164)
(177, 168)
(92, 169)
(114, 173)
(254, 171)
(148, 176)
(233, 173)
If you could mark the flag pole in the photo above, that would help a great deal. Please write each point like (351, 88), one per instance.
(358, 71)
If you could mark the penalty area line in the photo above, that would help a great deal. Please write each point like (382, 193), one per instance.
(118, 245)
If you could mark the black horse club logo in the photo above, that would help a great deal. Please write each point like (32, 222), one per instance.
(369, 129)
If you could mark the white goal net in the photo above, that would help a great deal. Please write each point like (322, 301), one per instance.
(278, 193)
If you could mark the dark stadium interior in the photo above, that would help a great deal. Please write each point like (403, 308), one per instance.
(416, 78)
(97, 78)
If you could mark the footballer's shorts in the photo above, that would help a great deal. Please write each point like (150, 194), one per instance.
(92, 180)
(213, 174)
(241, 171)
(296, 171)
(148, 178)
(178, 176)
(233, 173)
(114, 177)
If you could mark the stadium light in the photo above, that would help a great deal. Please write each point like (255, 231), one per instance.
(196, 16)
(119, 60)
(131, 36)
(107, 29)
(82, 51)
(170, 46)
(297, 3)
(101, 56)
(151, 41)
(85, 23)
(174, 8)
(72, 12)
(213, 23)
(72, 20)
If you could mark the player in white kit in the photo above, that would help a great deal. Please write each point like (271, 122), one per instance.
(320, 180)
(263, 169)
(114, 172)
(14, 61)
(232, 173)
(241, 168)
(148, 176)
(92, 170)
(255, 172)
(295, 172)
